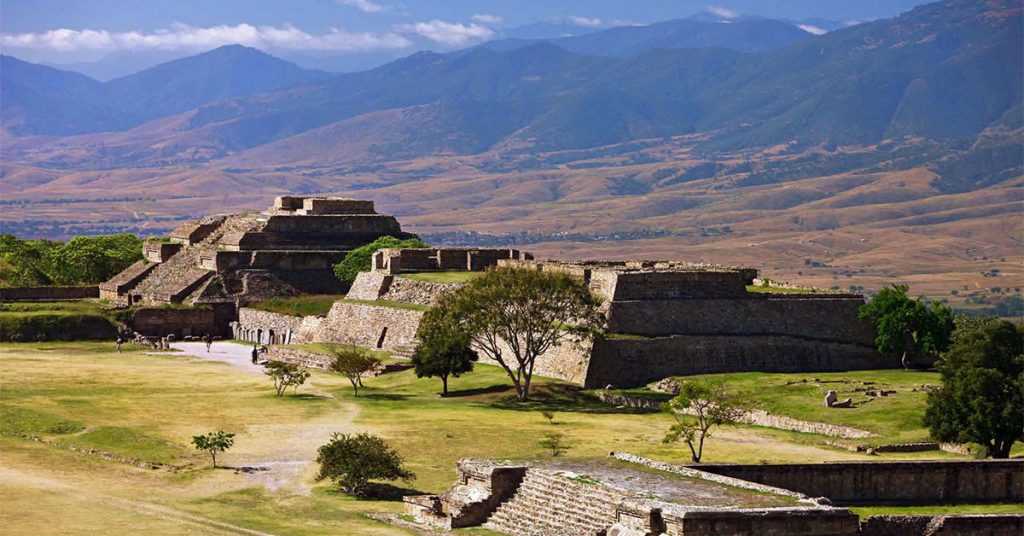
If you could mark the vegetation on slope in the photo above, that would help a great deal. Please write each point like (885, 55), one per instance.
(81, 261)
(305, 305)
(360, 259)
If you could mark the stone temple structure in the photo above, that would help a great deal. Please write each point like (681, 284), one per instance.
(228, 260)
(662, 319)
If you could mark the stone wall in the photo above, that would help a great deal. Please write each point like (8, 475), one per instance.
(255, 325)
(831, 318)
(369, 326)
(159, 322)
(159, 251)
(905, 483)
(397, 260)
(939, 525)
(15, 294)
(568, 361)
(780, 522)
(626, 363)
(370, 286)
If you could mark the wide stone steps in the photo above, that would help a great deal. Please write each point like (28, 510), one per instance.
(550, 504)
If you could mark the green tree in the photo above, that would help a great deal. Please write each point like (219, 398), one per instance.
(444, 348)
(93, 259)
(906, 325)
(709, 405)
(360, 259)
(981, 399)
(214, 442)
(513, 315)
(353, 362)
(351, 461)
(285, 375)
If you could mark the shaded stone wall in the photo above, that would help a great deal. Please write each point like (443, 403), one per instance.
(634, 362)
(782, 522)
(160, 251)
(568, 361)
(823, 317)
(255, 325)
(159, 322)
(920, 482)
(14, 294)
(370, 326)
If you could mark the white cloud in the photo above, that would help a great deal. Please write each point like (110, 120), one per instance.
(447, 33)
(366, 6)
(184, 37)
(723, 12)
(584, 21)
(811, 29)
(485, 18)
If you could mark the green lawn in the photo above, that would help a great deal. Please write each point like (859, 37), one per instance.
(442, 277)
(146, 406)
(389, 303)
(1007, 508)
(305, 305)
(895, 418)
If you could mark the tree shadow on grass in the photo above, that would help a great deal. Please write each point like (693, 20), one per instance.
(375, 491)
(563, 398)
(498, 388)
(394, 397)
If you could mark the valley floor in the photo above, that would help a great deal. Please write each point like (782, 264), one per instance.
(144, 406)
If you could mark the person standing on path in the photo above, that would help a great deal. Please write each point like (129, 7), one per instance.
(120, 341)
(208, 339)
(255, 353)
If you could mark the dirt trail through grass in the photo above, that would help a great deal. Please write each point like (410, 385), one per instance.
(192, 523)
(284, 460)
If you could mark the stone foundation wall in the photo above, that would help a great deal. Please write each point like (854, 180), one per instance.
(905, 483)
(782, 522)
(820, 318)
(255, 325)
(15, 294)
(568, 361)
(370, 326)
(626, 363)
(159, 322)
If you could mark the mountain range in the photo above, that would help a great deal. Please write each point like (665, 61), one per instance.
(664, 119)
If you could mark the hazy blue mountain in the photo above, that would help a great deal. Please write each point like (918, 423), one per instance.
(944, 72)
(43, 100)
(746, 34)
(228, 71)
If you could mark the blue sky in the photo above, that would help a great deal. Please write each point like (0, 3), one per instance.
(63, 31)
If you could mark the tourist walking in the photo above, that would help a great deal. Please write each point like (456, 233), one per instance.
(120, 341)
(255, 353)
(208, 339)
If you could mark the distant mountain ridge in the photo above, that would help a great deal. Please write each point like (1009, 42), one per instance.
(948, 71)
(44, 100)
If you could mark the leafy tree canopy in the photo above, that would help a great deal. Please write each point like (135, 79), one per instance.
(982, 395)
(709, 405)
(444, 348)
(351, 361)
(352, 460)
(360, 259)
(285, 375)
(213, 443)
(906, 325)
(82, 260)
(513, 315)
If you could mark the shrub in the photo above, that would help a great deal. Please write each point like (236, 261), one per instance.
(351, 461)
(359, 259)
(285, 375)
(213, 443)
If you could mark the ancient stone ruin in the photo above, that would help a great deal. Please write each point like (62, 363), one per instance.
(636, 496)
(227, 260)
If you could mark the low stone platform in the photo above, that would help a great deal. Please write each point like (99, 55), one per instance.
(615, 497)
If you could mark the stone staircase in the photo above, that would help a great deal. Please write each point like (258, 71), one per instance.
(550, 504)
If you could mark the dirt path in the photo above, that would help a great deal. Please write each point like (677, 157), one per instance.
(285, 462)
(193, 523)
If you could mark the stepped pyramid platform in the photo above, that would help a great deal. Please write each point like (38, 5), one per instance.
(605, 497)
(230, 260)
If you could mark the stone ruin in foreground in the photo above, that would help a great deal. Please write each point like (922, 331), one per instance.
(628, 495)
